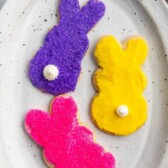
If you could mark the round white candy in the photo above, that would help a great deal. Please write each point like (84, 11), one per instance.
(50, 72)
(122, 111)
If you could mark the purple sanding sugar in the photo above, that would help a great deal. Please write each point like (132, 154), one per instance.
(65, 46)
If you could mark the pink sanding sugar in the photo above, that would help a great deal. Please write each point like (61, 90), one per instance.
(66, 144)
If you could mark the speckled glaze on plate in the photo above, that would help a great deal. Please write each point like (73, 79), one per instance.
(23, 26)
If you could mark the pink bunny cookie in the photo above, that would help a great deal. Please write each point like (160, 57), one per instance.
(66, 144)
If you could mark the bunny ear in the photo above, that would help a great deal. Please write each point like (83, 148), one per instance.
(137, 49)
(90, 14)
(64, 109)
(68, 8)
(107, 48)
(36, 123)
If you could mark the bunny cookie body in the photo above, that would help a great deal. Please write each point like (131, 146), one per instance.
(119, 107)
(66, 144)
(56, 66)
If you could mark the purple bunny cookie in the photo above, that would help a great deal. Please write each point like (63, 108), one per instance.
(56, 66)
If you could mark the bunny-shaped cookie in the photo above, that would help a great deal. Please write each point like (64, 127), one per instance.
(56, 66)
(66, 144)
(119, 107)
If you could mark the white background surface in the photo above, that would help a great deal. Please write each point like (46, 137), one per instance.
(22, 30)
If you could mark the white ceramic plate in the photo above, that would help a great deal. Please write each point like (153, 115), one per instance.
(21, 33)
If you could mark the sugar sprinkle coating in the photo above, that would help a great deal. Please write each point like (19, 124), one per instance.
(119, 106)
(66, 144)
(65, 45)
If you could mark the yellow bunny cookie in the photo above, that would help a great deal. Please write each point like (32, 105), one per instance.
(119, 107)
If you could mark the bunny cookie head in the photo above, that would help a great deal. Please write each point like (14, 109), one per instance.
(66, 144)
(119, 107)
(56, 66)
